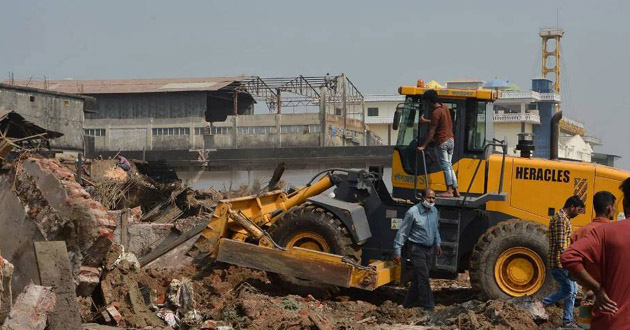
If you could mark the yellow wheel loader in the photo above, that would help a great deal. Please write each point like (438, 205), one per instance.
(497, 230)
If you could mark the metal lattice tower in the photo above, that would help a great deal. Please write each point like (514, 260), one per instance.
(548, 35)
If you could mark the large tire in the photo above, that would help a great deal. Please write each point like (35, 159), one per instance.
(320, 230)
(510, 260)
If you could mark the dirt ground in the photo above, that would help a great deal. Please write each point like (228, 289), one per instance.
(226, 295)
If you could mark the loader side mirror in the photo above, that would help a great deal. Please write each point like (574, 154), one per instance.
(397, 115)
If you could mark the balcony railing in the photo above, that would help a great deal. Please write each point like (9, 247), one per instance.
(529, 118)
(552, 97)
(572, 126)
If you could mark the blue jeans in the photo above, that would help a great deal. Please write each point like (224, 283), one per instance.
(445, 157)
(567, 292)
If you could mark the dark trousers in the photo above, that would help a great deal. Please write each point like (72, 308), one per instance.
(419, 293)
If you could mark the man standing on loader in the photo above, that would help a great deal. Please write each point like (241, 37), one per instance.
(559, 241)
(420, 235)
(441, 133)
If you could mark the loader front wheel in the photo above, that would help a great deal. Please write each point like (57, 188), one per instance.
(509, 260)
(313, 228)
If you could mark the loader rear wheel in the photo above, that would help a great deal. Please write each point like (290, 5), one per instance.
(509, 260)
(313, 228)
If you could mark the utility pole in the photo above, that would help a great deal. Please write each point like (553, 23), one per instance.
(344, 106)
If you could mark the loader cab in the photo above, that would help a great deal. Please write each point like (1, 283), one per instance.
(471, 112)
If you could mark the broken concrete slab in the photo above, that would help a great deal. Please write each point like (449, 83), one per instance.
(142, 237)
(32, 308)
(96, 253)
(177, 257)
(55, 271)
(119, 284)
(17, 244)
(6, 299)
(89, 278)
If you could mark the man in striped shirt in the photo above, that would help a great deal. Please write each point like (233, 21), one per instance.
(559, 241)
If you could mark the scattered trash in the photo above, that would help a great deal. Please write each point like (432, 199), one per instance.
(169, 317)
(180, 295)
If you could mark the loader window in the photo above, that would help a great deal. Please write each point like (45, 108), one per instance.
(408, 129)
(476, 126)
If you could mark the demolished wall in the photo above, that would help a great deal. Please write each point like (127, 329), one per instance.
(43, 201)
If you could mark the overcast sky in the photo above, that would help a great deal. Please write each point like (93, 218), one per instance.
(378, 44)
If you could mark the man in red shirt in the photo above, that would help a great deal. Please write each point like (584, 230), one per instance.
(607, 247)
(441, 133)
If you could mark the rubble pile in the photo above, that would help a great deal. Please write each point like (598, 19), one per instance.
(108, 220)
(229, 296)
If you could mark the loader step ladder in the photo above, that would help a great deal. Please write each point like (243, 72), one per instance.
(449, 232)
(470, 200)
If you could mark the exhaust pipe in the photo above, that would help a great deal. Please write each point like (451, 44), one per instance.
(555, 135)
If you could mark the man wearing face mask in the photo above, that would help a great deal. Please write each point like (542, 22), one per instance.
(559, 241)
(420, 235)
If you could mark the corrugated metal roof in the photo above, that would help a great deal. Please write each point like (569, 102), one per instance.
(32, 88)
(15, 126)
(125, 86)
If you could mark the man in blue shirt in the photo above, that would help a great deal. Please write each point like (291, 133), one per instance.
(420, 235)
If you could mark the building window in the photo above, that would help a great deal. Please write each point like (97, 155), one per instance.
(95, 132)
(221, 130)
(338, 111)
(299, 129)
(372, 112)
(32, 98)
(66, 103)
(171, 131)
(255, 130)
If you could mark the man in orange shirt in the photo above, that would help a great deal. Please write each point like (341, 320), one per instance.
(604, 205)
(441, 133)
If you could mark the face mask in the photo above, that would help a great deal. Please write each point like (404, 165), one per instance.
(427, 204)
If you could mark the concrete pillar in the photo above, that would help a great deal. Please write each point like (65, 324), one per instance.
(363, 123)
(148, 136)
(108, 136)
(278, 130)
(235, 132)
(191, 137)
(523, 109)
(322, 116)
(235, 127)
